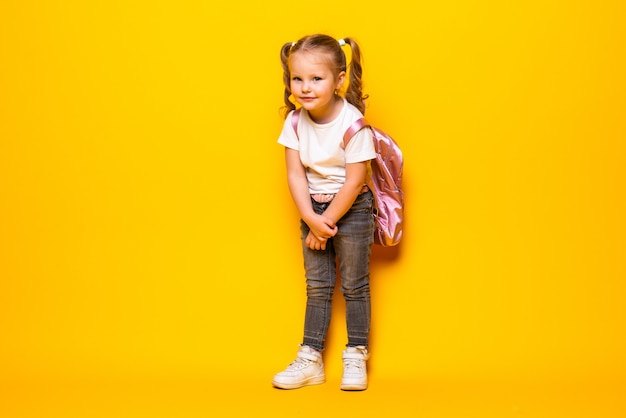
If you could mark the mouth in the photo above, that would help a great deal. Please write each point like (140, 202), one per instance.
(306, 99)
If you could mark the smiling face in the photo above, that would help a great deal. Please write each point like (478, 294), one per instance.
(313, 84)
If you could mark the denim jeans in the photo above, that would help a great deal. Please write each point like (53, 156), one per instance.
(351, 246)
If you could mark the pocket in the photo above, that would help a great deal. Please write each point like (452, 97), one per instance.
(364, 203)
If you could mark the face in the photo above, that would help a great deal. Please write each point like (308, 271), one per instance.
(313, 84)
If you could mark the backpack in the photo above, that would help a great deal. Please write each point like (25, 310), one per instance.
(385, 181)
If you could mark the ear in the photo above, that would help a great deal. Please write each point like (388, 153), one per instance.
(341, 77)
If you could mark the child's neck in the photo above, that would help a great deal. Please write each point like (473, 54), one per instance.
(329, 114)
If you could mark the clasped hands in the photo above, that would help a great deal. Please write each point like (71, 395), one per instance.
(321, 229)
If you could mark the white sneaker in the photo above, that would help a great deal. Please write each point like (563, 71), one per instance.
(307, 369)
(354, 368)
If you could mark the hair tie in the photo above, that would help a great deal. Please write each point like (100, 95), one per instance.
(341, 42)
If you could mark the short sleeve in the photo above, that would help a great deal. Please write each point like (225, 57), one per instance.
(361, 147)
(288, 136)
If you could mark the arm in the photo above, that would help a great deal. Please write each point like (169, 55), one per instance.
(355, 178)
(321, 226)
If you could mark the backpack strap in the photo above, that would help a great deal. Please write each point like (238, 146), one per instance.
(353, 129)
(295, 117)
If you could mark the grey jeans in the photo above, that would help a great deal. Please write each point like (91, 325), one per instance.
(351, 246)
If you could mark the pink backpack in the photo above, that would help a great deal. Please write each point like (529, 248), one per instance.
(385, 181)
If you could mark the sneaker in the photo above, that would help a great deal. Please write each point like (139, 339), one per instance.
(354, 368)
(307, 369)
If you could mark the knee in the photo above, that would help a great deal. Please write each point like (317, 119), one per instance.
(319, 291)
(358, 292)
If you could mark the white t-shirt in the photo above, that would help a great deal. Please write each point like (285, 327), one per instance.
(322, 151)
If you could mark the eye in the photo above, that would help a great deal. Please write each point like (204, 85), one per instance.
(296, 79)
(317, 78)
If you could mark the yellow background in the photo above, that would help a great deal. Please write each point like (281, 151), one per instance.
(147, 233)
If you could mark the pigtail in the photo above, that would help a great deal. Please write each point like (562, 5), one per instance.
(354, 92)
(284, 58)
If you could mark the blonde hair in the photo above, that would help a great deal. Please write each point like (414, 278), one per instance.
(337, 59)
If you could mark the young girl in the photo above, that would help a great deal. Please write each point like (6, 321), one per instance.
(328, 186)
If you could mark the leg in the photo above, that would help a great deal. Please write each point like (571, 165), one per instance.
(320, 274)
(353, 245)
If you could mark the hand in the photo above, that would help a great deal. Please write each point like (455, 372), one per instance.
(321, 228)
(315, 243)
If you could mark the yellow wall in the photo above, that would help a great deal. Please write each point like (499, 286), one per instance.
(146, 227)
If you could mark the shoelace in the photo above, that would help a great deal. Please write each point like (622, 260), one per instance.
(299, 363)
(351, 364)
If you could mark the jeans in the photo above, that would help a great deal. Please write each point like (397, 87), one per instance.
(351, 246)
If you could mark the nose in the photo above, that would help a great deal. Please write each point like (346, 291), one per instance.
(306, 87)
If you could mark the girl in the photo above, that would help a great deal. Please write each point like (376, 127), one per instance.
(328, 186)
